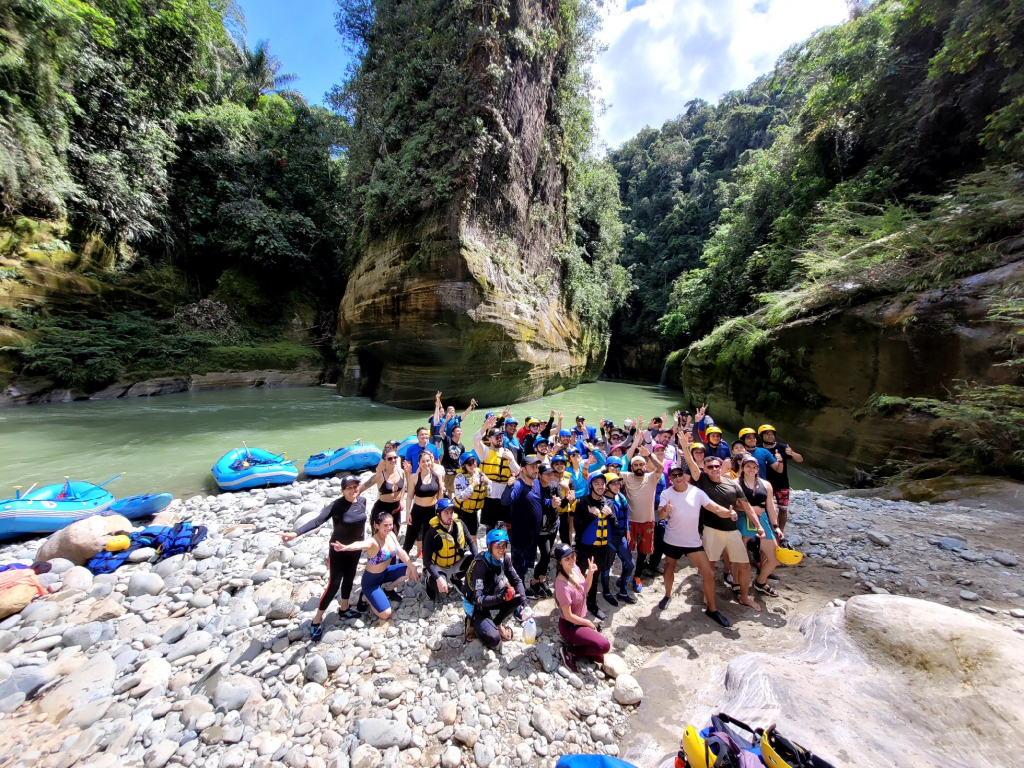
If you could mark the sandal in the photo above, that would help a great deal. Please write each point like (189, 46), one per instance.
(505, 633)
(470, 632)
(766, 589)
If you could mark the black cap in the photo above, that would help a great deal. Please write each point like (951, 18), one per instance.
(494, 432)
(581, 418)
(562, 551)
(349, 479)
(545, 467)
(531, 459)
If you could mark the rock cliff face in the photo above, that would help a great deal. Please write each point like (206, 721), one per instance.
(466, 297)
(917, 345)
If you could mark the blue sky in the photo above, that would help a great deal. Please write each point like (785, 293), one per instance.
(660, 53)
(303, 37)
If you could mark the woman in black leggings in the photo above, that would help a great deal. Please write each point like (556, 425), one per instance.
(425, 489)
(348, 514)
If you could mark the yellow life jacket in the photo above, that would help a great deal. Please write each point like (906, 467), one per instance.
(475, 500)
(496, 467)
(567, 507)
(450, 552)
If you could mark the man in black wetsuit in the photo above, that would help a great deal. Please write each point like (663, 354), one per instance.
(448, 549)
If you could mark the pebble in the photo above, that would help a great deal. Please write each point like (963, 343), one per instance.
(968, 595)
(627, 690)
(145, 584)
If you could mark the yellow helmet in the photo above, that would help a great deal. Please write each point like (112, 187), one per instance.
(746, 431)
(693, 748)
(765, 428)
(611, 477)
(118, 544)
(779, 752)
(697, 446)
(712, 431)
(788, 556)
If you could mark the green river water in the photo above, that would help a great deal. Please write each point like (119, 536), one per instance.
(169, 443)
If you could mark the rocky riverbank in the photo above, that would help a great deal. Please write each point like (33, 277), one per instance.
(204, 659)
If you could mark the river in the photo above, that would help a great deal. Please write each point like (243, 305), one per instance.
(169, 443)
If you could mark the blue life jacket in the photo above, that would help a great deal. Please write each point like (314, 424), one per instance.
(620, 523)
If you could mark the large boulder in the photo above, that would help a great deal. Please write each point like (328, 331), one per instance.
(83, 539)
(884, 676)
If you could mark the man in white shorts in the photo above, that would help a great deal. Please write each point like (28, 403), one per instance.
(681, 509)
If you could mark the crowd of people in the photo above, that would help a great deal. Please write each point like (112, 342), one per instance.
(557, 507)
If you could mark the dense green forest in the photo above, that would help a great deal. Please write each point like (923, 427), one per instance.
(166, 202)
(857, 133)
(881, 156)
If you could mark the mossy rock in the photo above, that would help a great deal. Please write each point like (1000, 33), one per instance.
(282, 356)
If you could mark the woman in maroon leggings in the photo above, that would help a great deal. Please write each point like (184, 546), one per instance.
(579, 633)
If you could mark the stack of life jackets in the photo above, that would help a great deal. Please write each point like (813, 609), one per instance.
(167, 540)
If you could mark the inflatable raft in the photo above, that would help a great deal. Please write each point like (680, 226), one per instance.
(253, 468)
(355, 458)
(53, 507)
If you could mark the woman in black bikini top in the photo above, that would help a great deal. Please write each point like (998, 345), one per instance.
(390, 484)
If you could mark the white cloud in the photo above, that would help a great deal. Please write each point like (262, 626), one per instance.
(665, 52)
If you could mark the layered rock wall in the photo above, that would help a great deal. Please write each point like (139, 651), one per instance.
(912, 345)
(466, 297)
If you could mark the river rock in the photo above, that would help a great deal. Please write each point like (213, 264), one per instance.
(83, 539)
(233, 692)
(614, 665)
(191, 645)
(366, 756)
(1005, 558)
(78, 577)
(41, 610)
(275, 589)
(548, 724)
(159, 754)
(84, 635)
(142, 583)
(92, 681)
(60, 565)
(316, 669)
(627, 690)
(14, 599)
(451, 757)
(382, 734)
(483, 753)
(155, 672)
(106, 609)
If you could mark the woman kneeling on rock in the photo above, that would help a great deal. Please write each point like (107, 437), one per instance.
(380, 548)
(496, 587)
(579, 633)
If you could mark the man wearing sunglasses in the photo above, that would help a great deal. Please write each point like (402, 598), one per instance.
(721, 535)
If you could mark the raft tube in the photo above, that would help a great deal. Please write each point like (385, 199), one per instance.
(356, 458)
(142, 505)
(253, 468)
(51, 508)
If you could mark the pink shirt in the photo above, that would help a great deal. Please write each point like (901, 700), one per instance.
(567, 593)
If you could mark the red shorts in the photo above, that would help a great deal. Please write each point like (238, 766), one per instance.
(782, 498)
(641, 537)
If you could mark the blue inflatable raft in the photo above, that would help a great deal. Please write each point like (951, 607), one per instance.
(53, 507)
(253, 468)
(355, 458)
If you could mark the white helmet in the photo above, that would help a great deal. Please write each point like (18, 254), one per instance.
(628, 423)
